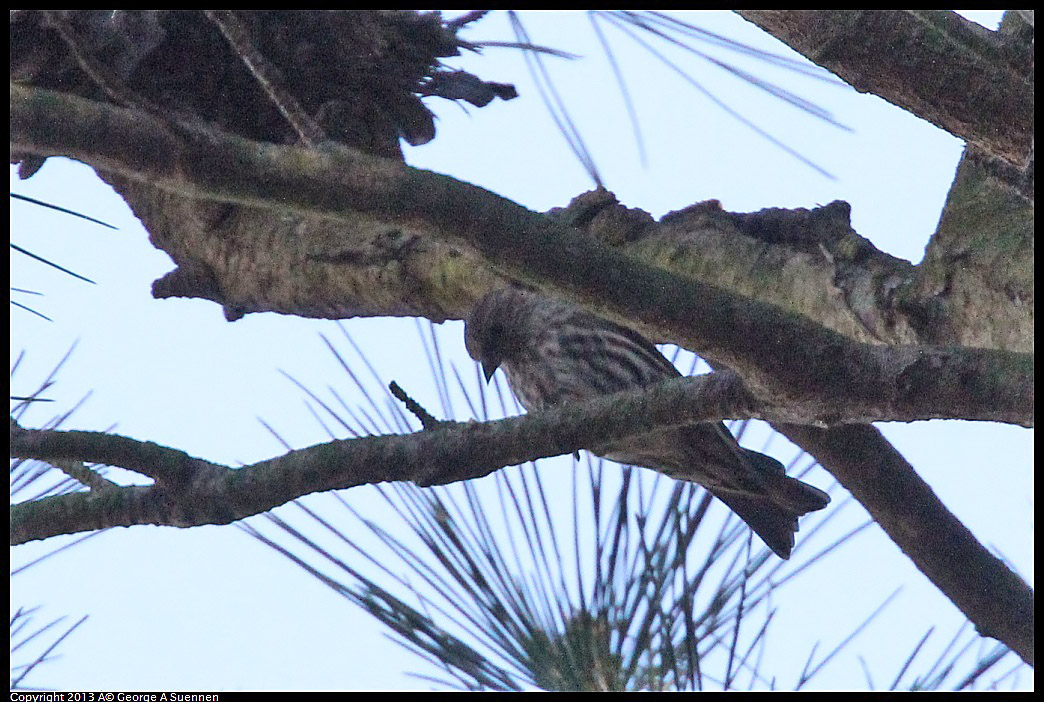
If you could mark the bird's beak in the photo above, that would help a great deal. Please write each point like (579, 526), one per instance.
(489, 367)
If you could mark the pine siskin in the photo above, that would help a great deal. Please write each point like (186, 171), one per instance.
(554, 352)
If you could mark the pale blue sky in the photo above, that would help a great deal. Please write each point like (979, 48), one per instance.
(210, 608)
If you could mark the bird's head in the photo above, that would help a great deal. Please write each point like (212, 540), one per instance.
(491, 329)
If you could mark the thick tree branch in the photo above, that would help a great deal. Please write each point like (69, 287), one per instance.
(994, 598)
(784, 356)
(975, 74)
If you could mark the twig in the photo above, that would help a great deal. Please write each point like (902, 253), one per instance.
(101, 75)
(238, 37)
(426, 419)
(467, 18)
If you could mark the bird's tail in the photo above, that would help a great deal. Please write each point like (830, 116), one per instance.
(774, 524)
(791, 493)
(773, 515)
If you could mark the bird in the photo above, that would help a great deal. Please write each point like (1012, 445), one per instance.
(554, 352)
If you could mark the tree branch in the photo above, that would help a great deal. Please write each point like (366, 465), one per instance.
(976, 74)
(782, 355)
(994, 598)
(191, 492)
